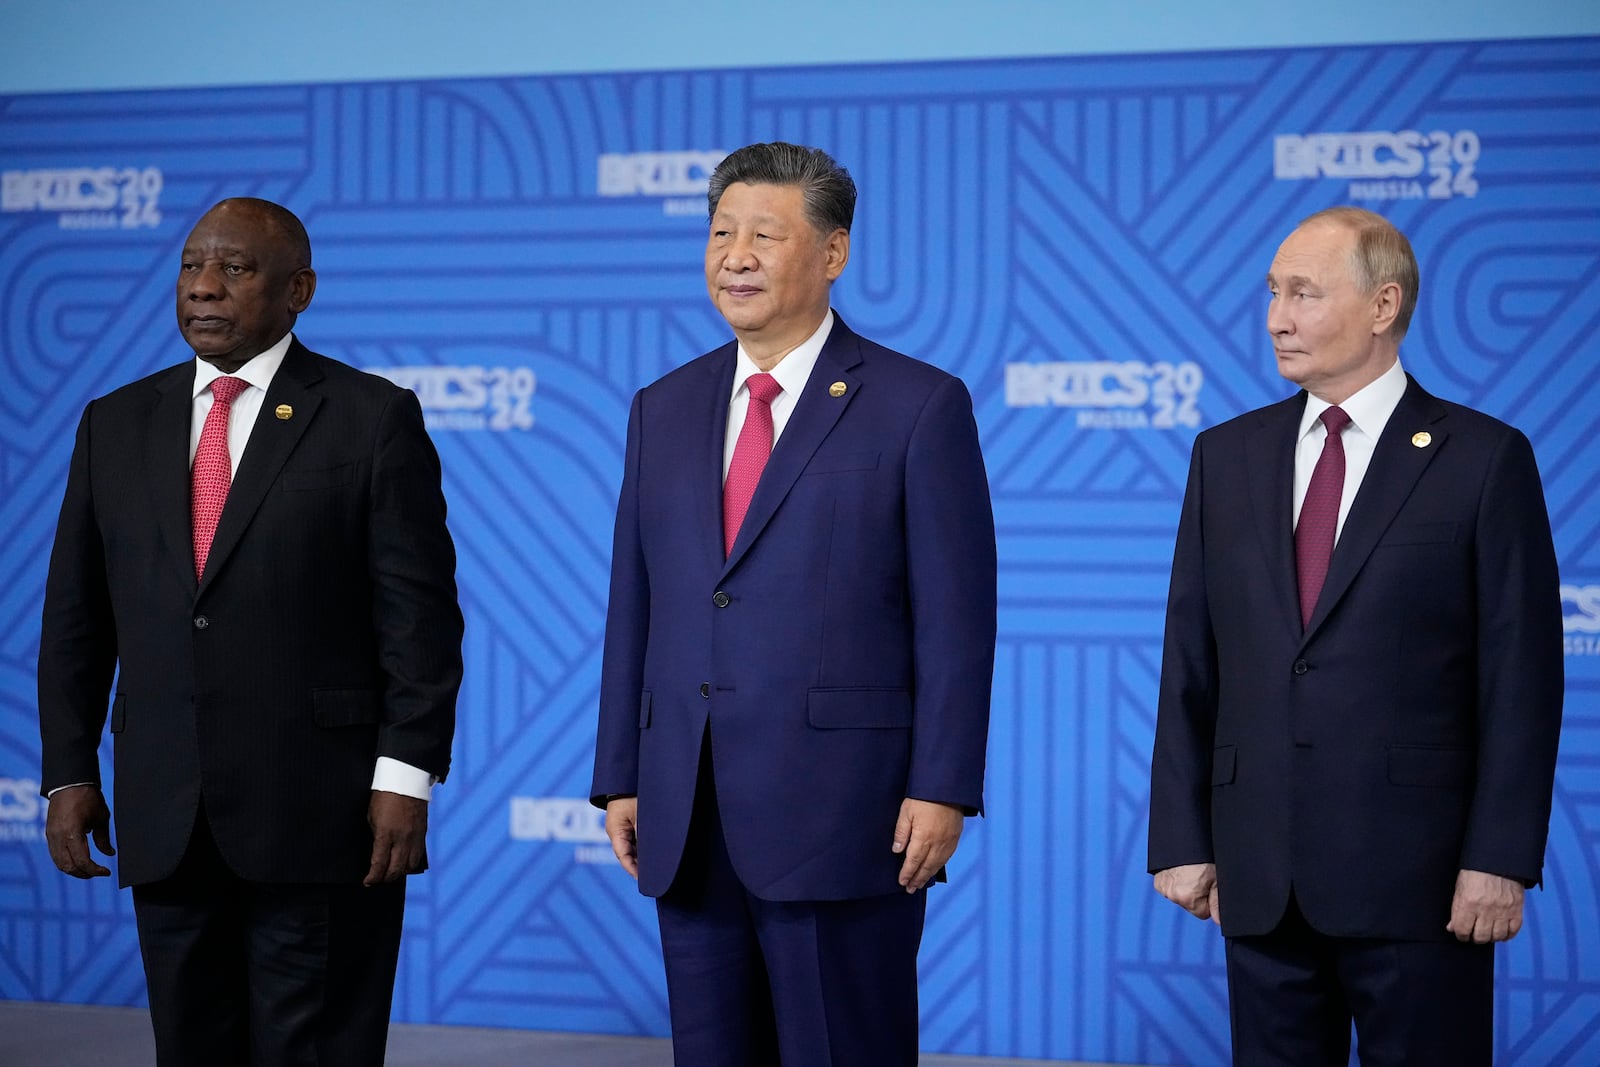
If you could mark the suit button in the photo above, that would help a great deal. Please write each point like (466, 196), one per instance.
(1301, 666)
(705, 690)
(201, 622)
(722, 599)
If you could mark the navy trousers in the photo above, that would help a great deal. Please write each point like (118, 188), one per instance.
(759, 983)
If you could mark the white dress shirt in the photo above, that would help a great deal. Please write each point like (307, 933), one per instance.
(792, 373)
(1369, 410)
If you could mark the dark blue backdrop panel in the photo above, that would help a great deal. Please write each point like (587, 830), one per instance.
(1083, 240)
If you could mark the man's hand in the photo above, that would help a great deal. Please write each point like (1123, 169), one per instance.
(76, 812)
(399, 836)
(622, 822)
(1486, 908)
(1193, 887)
(927, 832)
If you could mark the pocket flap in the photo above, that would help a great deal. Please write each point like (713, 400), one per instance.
(1223, 764)
(859, 709)
(325, 478)
(843, 461)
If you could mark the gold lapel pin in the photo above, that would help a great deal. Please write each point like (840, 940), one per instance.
(285, 412)
(1422, 439)
(837, 389)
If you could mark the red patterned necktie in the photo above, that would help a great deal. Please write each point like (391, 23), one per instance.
(1319, 514)
(749, 456)
(212, 473)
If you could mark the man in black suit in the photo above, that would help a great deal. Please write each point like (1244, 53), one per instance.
(254, 542)
(1361, 687)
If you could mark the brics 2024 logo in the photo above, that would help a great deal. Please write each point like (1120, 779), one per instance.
(87, 198)
(469, 398)
(1580, 619)
(1109, 395)
(680, 178)
(21, 809)
(1384, 164)
(567, 820)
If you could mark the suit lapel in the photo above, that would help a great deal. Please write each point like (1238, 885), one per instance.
(707, 406)
(271, 441)
(1270, 462)
(1396, 466)
(814, 416)
(168, 463)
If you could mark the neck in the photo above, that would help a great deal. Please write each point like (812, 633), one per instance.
(768, 352)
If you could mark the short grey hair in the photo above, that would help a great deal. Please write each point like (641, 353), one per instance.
(830, 192)
(1381, 255)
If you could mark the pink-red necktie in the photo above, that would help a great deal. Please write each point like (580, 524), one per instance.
(212, 473)
(750, 454)
(1319, 514)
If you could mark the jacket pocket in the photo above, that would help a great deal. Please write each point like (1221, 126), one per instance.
(1420, 533)
(1223, 764)
(119, 713)
(644, 709)
(299, 481)
(843, 461)
(1421, 765)
(344, 707)
(859, 708)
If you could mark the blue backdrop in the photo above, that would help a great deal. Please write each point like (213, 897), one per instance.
(1082, 240)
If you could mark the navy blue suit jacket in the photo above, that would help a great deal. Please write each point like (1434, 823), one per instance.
(1410, 730)
(842, 654)
(323, 635)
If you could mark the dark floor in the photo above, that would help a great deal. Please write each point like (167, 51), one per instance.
(66, 1035)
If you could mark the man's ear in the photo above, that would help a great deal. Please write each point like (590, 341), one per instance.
(1385, 307)
(836, 246)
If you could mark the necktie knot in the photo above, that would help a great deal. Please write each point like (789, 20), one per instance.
(226, 390)
(1334, 420)
(763, 387)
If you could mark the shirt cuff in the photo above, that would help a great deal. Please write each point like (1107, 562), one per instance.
(393, 776)
(69, 785)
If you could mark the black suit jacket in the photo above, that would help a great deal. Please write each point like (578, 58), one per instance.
(324, 633)
(1410, 730)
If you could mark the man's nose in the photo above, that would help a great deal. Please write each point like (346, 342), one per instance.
(204, 283)
(1277, 318)
(740, 255)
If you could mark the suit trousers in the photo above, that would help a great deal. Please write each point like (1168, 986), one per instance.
(266, 974)
(758, 983)
(1293, 993)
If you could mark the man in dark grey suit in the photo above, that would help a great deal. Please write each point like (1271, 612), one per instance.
(254, 542)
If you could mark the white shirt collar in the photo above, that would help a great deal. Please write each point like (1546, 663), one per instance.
(257, 372)
(1369, 407)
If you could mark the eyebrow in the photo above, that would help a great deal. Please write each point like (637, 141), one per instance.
(1293, 279)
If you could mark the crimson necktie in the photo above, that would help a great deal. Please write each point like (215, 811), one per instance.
(750, 454)
(1319, 514)
(212, 473)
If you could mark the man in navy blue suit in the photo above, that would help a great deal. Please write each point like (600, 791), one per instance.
(1356, 740)
(799, 646)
